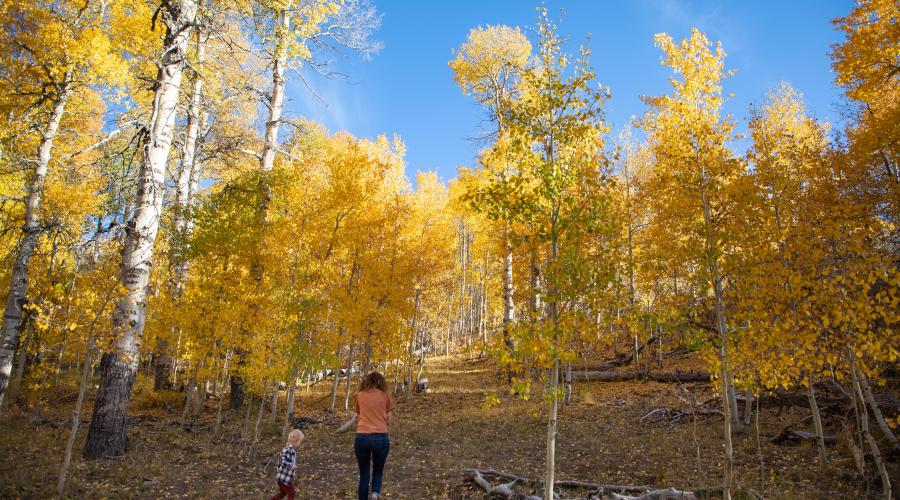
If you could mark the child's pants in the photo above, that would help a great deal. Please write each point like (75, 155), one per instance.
(284, 490)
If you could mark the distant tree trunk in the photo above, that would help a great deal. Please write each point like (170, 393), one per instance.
(262, 407)
(222, 396)
(817, 423)
(855, 375)
(349, 376)
(23, 357)
(274, 408)
(200, 402)
(245, 433)
(79, 403)
(236, 391)
(509, 306)
(107, 436)
(337, 378)
(748, 409)
(289, 403)
(188, 397)
(412, 343)
(31, 230)
(876, 410)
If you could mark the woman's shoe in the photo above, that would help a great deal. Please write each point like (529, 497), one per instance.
(373, 496)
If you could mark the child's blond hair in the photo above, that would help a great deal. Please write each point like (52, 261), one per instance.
(295, 436)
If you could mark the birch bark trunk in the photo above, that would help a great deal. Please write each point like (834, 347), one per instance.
(276, 98)
(509, 307)
(31, 231)
(182, 210)
(107, 435)
(554, 388)
(730, 406)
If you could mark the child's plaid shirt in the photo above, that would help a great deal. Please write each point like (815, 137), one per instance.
(286, 465)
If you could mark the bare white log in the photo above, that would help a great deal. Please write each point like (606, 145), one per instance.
(480, 478)
(350, 424)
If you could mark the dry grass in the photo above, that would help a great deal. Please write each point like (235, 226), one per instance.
(435, 436)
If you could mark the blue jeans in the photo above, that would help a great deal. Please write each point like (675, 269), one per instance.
(371, 448)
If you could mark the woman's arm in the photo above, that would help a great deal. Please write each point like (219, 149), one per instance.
(390, 417)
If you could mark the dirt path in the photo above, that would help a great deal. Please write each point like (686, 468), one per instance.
(434, 437)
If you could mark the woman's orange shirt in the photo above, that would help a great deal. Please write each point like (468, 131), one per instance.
(372, 406)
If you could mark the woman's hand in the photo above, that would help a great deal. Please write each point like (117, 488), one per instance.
(390, 417)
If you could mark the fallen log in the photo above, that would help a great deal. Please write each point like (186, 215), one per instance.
(670, 377)
(665, 494)
(788, 437)
(680, 376)
(350, 424)
(620, 359)
(595, 490)
(673, 416)
(501, 491)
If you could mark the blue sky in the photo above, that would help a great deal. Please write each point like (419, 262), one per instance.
(407, 89)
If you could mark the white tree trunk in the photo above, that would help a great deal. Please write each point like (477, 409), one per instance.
(274, 409)
(855, 376)
(817, 423)
(107, 436)
(876, 410)
(509, 306)
(554, 385)
(31, 230)
(722, 327)
(184, 191)
(276, 98)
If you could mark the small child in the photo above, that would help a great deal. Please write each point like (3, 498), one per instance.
(287, 465)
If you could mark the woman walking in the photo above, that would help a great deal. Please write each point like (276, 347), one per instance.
(374, 408)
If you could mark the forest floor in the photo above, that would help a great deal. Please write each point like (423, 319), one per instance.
(435, 436)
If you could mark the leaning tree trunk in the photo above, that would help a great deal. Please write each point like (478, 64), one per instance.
(876, 410)
(855, 377)
(31, 230)
(817, 423)
(107, 436)
(82, 389)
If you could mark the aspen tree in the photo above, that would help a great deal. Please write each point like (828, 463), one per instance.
(54, 51)
(107, 436)
(489, 66)
(555, 138)
(692, 175)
